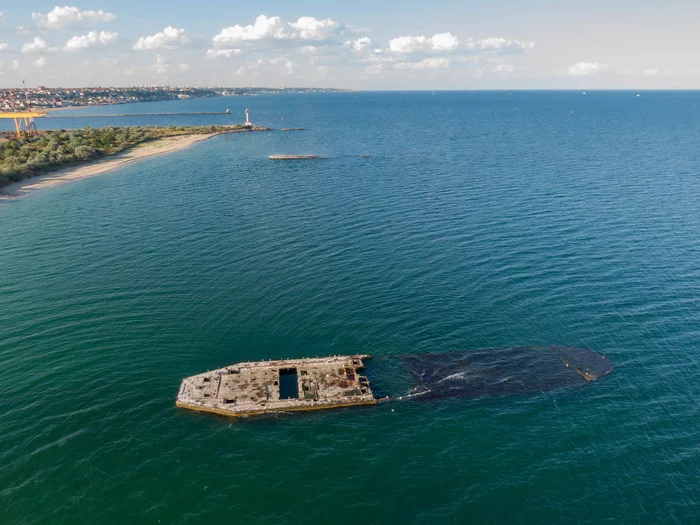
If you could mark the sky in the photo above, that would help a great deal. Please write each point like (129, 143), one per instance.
(357, 44)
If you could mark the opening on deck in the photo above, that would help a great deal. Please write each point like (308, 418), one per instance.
(289, 384)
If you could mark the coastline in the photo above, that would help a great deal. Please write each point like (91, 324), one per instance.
(100, 166)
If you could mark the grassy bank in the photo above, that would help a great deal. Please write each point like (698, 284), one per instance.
(51, 150)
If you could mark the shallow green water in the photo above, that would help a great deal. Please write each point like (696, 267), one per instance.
(531, 218)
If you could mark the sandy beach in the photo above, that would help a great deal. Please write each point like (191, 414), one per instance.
(104, 165)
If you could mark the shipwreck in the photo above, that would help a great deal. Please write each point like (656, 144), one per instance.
(293, 385)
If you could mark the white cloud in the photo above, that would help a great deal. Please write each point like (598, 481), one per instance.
(408, 44)
(284, 63)
(70, 17)
(222, 53)
(375, 69)
(444, 42)
(656, 72)
(161, 66)
(2, 16)
(427, 63)
(184, 67)
(263, 29)
(499, 44)
(92, 39)
(361, 44)
(38, 45)
(310, 28)
(40, 62)
(15, 64)
(587, 68)
(169, 38)
(504, 68)
(447, 42)
(3, 46)
(413, 44)
(273, 28)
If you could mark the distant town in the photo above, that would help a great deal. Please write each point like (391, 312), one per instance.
(21, 99)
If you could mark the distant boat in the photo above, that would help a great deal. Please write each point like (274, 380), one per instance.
(228, 111)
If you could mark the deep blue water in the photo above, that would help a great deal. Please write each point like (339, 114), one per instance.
(479, 220)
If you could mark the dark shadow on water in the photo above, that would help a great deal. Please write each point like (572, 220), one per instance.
(489, 372)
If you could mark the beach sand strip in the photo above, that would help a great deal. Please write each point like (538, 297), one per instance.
(103, 165)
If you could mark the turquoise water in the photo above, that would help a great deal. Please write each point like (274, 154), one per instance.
(479, 220)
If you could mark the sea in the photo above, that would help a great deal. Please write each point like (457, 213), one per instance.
(438, 221)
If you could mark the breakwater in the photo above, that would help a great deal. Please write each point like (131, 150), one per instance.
(172, 114)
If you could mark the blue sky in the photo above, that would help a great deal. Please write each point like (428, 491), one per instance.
(442, 44)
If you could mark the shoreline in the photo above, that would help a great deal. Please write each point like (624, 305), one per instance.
(100, 166)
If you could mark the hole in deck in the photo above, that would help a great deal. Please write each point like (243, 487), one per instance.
(289, 383)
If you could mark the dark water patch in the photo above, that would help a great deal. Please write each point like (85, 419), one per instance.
(488, 372)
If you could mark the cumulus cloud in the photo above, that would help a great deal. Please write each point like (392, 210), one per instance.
(444, 42)
(413, 44)
(310, 28)
(361, 44)
(168, 38)
(39, 62)
(3, 46)
(2, 16)
(222, 53)
(499, 44)
(273, 28)
(427, 63)
(409, 44)
(38, 45)
(92, 39)
(70, 17)
(447, 42)
(264, 28)
(587, 68)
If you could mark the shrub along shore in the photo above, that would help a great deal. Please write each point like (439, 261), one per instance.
(52, 150)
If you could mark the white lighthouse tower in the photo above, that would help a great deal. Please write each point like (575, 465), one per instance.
(248, 123)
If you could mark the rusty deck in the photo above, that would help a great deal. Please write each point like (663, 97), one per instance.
(288, 385)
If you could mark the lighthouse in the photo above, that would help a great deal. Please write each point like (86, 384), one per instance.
(248, 123)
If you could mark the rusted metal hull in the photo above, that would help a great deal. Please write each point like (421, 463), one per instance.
(289, 385)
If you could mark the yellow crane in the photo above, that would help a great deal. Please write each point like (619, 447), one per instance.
(23, 118)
